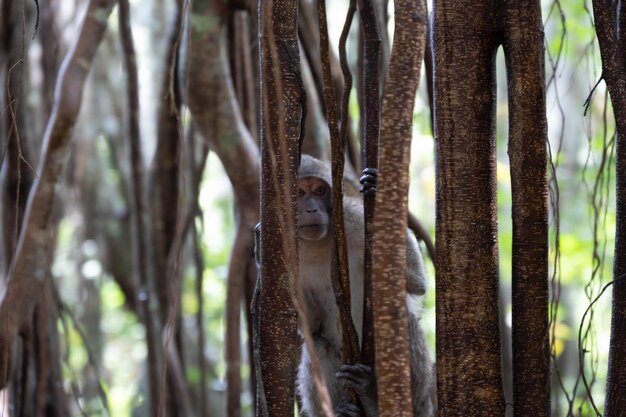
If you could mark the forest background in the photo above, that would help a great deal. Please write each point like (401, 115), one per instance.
(96, 341)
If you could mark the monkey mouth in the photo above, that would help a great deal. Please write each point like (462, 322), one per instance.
(315, 231)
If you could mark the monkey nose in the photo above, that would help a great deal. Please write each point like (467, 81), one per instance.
(312, 210)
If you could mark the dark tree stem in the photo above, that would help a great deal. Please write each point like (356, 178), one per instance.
(528, 139)
(611, 41)
(370, 136)
(137, 199)
(350, 352)
(469, 377)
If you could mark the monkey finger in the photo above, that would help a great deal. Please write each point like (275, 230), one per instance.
(348, 410)
(357, 369)
(369, 177)
(368, 190)
(358, 388)
(370, 171)
(368, 180)
(355, 382)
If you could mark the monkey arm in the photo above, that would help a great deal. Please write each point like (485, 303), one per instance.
(362, 379)
(415, 274)
(423, 387)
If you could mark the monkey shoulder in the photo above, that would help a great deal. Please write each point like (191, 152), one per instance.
(353, 220)
(353, 207)
(415, 271)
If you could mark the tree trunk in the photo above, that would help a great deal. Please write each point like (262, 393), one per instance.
(528, 134)
(340, 277)
(164, 179)
(138, 203)
(281, 112)
(16, 175)
(390, 218)
(28, 267)
(370, 139)
(468, 333)
(611, 41)
(225, 130)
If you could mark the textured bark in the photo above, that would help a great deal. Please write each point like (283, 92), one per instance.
(390, 219)
(468, 333)
(225, 130)
(528, 135)
(370, 137)
(611, 42)
(281, 107)
(28, 268)
(340, 276)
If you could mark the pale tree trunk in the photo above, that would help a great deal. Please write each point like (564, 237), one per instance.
(228, 136)
(390, 219)
(28, 268)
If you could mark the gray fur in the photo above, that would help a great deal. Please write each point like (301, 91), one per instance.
(323, 317)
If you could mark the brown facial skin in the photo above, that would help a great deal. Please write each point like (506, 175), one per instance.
(313, 208)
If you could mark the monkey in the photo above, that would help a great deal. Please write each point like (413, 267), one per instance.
(315, 243)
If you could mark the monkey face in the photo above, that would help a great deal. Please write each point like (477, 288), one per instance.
(313, 208)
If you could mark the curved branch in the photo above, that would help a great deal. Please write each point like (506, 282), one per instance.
(223, 126)
(28, 268)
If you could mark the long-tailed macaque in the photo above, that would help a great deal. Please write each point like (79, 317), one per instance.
(316, 236)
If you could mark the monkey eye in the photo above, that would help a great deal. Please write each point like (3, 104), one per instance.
(300, 192)
(320, 191)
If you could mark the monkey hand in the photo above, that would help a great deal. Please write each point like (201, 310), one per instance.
(362, 380)
(347, 409)
(369, 180)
